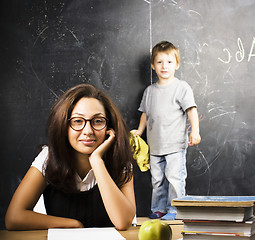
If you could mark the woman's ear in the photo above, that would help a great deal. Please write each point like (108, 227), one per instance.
(152, 66)
(177, 67)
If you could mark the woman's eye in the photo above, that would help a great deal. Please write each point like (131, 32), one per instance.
(77, 121)
(98, 121)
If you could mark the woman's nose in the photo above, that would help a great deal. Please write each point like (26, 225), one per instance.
(87, 128)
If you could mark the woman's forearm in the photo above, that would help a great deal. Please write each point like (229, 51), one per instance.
(29, 220)
(20, 216)
(119, 204)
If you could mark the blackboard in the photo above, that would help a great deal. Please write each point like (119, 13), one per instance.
(48, 46)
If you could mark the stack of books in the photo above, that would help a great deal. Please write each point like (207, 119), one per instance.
(216, 217)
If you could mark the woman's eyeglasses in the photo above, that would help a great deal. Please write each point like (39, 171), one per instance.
(78, 123)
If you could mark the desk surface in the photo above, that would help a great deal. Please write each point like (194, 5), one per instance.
(130, 234)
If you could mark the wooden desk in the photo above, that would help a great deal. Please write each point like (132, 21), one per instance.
(130, 234)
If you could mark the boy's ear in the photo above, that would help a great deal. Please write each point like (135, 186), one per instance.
(177, 67)
(152, 66)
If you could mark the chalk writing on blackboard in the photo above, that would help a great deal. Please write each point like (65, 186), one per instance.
(239, 54)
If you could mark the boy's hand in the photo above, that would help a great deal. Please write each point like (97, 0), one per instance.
(136, 132)
(194, 139)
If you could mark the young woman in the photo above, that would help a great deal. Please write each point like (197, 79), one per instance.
(86, 171)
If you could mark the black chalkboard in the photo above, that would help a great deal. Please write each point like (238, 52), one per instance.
(48, 46)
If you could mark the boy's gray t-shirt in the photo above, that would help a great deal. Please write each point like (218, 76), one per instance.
(165, 108)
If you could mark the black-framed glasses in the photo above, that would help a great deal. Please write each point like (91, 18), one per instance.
(78, 123)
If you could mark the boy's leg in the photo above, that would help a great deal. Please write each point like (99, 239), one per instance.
(159, 184)
(176, 174)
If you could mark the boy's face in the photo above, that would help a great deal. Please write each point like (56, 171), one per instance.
(165, 65)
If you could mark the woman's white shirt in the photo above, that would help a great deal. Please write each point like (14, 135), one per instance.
(85, 184)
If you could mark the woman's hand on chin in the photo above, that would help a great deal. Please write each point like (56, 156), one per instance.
(104, 146)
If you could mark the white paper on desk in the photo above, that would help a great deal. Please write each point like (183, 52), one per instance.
(109, 233)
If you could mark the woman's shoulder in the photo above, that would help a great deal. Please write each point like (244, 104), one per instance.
(40, 160)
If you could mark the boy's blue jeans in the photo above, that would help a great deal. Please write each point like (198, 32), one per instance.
(168, 176)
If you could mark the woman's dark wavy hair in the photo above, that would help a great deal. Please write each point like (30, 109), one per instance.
(60, 170)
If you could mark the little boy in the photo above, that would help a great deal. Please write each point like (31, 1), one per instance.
(165, 106)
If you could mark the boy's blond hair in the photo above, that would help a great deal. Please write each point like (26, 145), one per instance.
(166, 47)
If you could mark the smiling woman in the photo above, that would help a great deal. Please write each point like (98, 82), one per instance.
(84, 173)
(82, 135)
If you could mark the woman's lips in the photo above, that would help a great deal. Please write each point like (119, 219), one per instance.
(87, 142)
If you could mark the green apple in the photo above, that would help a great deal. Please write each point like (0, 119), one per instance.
(155, 230)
